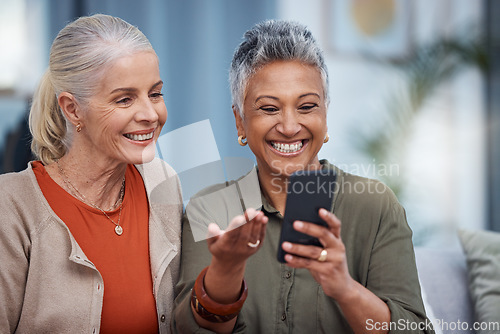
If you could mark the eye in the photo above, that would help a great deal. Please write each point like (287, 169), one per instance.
(269, 109)
(124, 101)
(308, 107)
(156, 95)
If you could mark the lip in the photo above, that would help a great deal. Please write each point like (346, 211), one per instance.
(139, 133)
(305, 143)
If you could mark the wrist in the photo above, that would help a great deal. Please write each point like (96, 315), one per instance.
(350, 295)
(223, 284)
(211, 310)
(224, 270)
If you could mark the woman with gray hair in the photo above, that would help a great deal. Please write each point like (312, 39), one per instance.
(85, 244)
(361, 279)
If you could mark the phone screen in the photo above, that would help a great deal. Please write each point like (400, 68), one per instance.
(308, 191)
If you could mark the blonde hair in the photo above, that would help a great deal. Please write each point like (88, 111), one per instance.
(78, 57)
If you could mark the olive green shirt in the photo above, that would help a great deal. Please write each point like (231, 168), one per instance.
(281, 299)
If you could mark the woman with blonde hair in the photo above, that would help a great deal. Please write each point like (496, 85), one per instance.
(90, 232)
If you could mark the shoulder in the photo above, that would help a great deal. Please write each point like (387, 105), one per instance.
(217, 189)
(161, 182)
(156, 170)
(354, 191)
(365, 189)
(22, 204)
(14, 177)
(165, 201)
(18, 184)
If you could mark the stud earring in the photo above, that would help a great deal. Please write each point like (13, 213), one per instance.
(78, 127)
(327, 138)
(241, 142)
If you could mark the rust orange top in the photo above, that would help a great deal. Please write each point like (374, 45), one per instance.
(123, 261)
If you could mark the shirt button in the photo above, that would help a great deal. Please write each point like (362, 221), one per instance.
(288, 274)
(162, 318)
(283, 317)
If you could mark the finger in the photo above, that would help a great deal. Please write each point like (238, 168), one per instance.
(259, 229)
(241, 231)
(324, 234)
(241, 220)
(312, 264)
(256, 226)
(311, 252)
(301, 262)
(250, 214)
(236, 222)
(213, 233)
(214, 230)
(333, 222)
(263, 225)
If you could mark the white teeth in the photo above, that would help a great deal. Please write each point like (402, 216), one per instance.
(287, 148)
(140, 137)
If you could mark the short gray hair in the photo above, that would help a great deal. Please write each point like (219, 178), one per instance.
(270, 41)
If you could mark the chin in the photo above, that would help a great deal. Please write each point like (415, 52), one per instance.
(286, 169)
(145, 155)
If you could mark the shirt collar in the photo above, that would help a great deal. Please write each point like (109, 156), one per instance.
(265, 205)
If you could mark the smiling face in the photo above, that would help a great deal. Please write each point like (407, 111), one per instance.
(124, 119)
(284, 117)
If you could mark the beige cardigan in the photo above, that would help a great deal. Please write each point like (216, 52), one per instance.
(47, 284)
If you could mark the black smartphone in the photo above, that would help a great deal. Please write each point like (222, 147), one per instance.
(308, 191)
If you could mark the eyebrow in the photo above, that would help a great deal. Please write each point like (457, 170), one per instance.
(277, 99)
(307, 94)
(130, 89)
(266, 97)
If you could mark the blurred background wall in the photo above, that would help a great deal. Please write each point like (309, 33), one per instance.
(415, 88)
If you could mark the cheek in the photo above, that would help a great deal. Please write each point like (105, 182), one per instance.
(259, 126)
(318, 123)
(101, 114)
(110, 121)
(162, 114)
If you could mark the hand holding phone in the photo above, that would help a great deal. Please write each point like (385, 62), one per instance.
(308, 191)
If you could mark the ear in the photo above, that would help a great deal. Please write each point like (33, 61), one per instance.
(70, 107)
(239, 122)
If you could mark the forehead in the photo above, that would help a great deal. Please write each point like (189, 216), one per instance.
(130, 70)
(285, 77)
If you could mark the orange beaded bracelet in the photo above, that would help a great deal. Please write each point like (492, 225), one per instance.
(209, 309)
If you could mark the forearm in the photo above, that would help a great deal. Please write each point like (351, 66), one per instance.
(224, 327)
(361, 307)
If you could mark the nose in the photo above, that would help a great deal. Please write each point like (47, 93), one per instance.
(147, 111)
(289, 124)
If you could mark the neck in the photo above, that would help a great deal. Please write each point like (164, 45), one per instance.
(99, 183)
(274, 186)
(274, 189)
